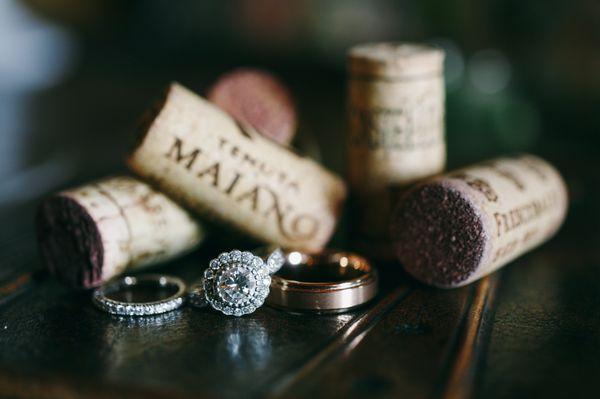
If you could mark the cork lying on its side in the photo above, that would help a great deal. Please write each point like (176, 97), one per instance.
(227, 171)
(92, 233)
(258, 99)
(396, 132)
(457, 228)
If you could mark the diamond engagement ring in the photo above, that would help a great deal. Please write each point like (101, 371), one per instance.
(236, 283)
(128, 296)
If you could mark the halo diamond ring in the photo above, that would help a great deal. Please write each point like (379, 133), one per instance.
(236, 283)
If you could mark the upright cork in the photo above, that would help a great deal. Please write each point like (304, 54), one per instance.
(92, 233)
(396, 132)
(459, 227)
(226, 171)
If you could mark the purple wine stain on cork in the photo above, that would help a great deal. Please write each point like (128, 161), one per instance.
(439, 236)
(70, 243)
(258, 99)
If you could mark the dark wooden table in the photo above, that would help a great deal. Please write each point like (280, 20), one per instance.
(530, 330)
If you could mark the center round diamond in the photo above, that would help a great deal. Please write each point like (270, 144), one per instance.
(236, 284)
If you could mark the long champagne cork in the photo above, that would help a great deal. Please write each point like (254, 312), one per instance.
(396, 132)
(92, 233)
(228, 172)
(459, 227)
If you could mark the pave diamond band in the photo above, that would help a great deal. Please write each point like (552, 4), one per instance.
(113, 297)
(236, 283)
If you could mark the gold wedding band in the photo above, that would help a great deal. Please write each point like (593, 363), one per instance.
(327, 282)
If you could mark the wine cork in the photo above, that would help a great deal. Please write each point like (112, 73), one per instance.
(92, 233)
(396, 132)
(259, 99)
(226, 171)
(459, 227)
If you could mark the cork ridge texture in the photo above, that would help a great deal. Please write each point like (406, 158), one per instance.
(70, 242)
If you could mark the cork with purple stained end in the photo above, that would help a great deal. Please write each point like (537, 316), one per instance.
(457, 228)
(259, 99)
(92, 233)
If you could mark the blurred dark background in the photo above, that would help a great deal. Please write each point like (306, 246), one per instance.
(75, 75)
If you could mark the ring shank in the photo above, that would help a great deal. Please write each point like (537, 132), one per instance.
(327, 282)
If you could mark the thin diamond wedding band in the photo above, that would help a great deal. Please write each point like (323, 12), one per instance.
(129, 308)
(327, 282)
(236, 283)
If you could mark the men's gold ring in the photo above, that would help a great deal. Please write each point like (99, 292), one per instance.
(327, 282)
